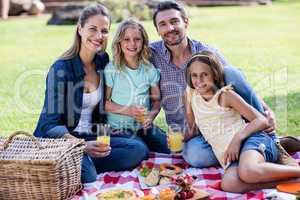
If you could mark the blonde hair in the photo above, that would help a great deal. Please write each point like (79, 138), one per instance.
(118, 55)
(88, 12)
(213, 62)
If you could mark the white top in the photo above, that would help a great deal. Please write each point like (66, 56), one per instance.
(89, 102)
(217, 124)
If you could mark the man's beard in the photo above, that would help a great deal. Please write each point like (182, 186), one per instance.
(176, 42)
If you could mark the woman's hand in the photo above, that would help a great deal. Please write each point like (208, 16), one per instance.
(233, 150)
(97, 149)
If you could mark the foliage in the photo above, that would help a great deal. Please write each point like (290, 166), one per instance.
(124, 9)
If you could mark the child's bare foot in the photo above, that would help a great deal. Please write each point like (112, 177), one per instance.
(285, 158)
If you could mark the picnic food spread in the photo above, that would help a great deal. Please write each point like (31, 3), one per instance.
(117, 194)
(159, 176)
(180, 188)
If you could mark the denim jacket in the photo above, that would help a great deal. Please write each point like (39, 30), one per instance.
(63, 97)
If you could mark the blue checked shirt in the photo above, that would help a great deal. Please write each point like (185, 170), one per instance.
(172, 82)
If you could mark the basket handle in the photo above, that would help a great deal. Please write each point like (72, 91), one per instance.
(11, 137)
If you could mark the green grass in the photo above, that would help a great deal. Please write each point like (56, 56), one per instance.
(261, 40)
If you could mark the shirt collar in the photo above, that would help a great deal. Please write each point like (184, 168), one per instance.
(166, 51)
(78, 65)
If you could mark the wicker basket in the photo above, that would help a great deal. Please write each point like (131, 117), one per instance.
(35, 168)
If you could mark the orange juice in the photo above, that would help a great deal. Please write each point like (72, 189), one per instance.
(143, 116)
(104, 139)
(175, 141)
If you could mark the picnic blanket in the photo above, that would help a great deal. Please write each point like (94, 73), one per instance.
(208, 179)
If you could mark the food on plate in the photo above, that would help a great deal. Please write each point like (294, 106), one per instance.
(167, 194)
(185, 183)
(164, 180)
(148, 197)
(145, 171)
(169, 170)
(161, 176)
(153, 178)
(117, 194)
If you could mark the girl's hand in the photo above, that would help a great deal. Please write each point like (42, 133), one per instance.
(136, 111)
(233, 150)
(97, 149)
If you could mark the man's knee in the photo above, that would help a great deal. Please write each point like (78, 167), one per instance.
(197, 157)
(139, 153)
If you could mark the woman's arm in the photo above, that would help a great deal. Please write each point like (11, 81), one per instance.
(131, 111)
(49, 124)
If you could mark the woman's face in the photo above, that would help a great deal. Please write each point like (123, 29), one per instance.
(94, 33)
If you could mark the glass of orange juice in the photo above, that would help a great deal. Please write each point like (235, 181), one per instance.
(103, 134)
(175, 139)
(140, 101)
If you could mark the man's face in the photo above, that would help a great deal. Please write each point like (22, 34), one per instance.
(171, 26)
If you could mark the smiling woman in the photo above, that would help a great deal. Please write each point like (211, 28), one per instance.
(74, 99)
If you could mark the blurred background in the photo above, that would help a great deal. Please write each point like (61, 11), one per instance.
(261, 37)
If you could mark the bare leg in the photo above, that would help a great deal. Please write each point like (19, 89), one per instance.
(4, 9)
(254, 173)
(253, 169)
(231, 182)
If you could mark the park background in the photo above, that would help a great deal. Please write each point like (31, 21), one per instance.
(263, 41)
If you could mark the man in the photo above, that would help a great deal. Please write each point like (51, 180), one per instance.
(170, 56)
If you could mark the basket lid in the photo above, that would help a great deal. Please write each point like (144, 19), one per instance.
(32, 148)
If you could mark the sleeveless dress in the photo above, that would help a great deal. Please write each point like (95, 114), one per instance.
(217, 124)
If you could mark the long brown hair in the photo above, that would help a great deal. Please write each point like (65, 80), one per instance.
(118, 55)
(212, 61)
(89, 11)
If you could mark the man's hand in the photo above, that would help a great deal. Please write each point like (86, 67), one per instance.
(272, 121)
(97, 149)
(147, 122)
(187, 136)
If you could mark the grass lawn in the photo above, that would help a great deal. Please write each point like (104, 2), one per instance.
(261, 40)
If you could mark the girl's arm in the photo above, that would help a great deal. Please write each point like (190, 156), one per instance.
(132, 111)
(257, 122)
(191, 129)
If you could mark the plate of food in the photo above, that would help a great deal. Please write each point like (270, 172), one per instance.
(119, 193)
(150, 176)
(181, 188)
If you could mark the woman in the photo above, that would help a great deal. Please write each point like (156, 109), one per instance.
(74, 99)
